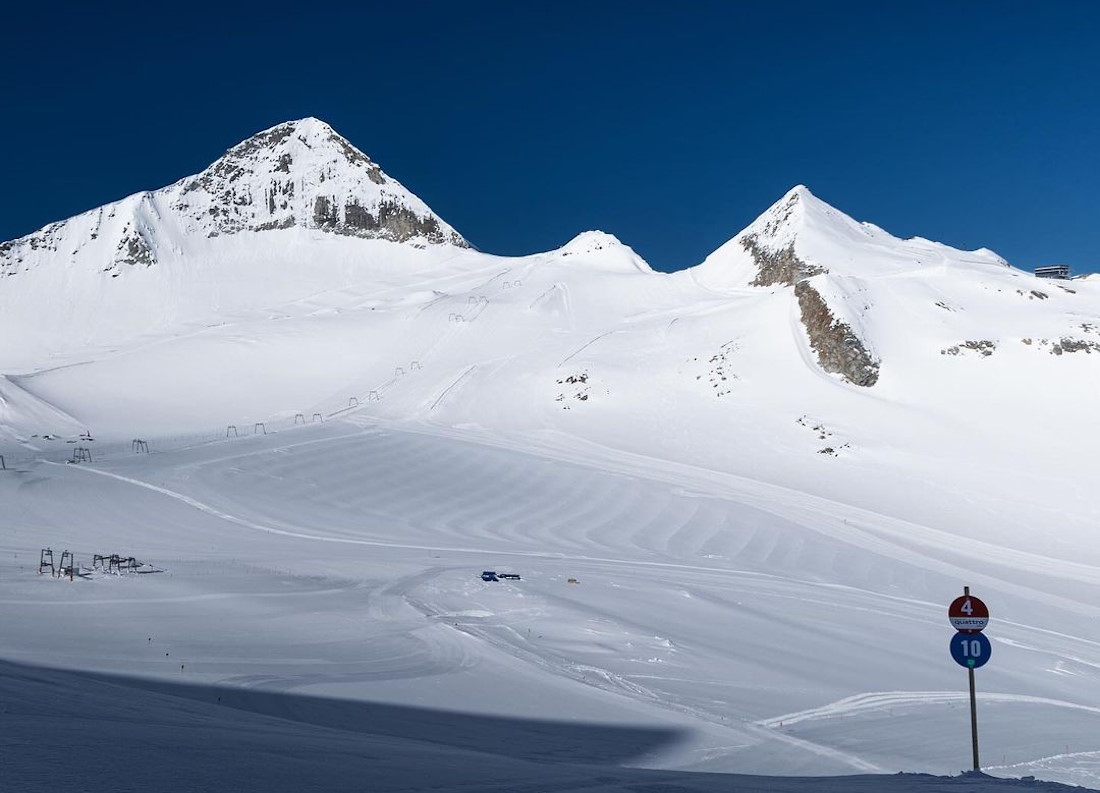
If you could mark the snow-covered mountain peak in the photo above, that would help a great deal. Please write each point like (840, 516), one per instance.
(299, 174)
(781, 222)
(591, 241)
(303, 173)
(604, 248)
(799, 213)
(801, 236)
(292, 148)
(833, 265)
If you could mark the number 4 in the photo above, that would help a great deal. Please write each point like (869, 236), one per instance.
(967, 609)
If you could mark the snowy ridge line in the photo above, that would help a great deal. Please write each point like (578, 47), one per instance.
(884, 700)
(801, 507)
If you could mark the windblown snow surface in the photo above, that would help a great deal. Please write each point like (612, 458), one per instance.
(739, 497)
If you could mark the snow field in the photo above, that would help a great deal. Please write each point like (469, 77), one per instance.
(341, 561)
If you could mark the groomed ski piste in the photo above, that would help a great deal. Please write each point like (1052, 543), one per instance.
(734, 565)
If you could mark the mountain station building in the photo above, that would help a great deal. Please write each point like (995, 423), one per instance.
(1053, 271)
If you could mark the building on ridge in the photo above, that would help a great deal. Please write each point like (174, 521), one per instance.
(1060, 271)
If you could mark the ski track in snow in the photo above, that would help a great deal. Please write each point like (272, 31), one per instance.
(612, 682)
(301, 533)
(884, 700)
(585, 672)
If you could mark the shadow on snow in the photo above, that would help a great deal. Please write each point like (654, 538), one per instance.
(95, 732)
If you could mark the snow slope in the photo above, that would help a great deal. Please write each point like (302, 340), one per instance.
(318, 573)
(769, 474)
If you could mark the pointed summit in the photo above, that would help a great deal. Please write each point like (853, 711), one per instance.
(299, 174)
(303, 173)
(307, 142)
(770, 239)
(797, 212)
(764, 253)
(780, 223)
(800, 236)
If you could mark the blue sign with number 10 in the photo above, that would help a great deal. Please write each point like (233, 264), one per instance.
(970, 649)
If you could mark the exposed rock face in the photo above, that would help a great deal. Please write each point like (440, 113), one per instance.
(297, 174)
(778, 267)
(1074, 345)
(391, 221)
(13, 254)
(324, 212)
(132, 250)
(983, 346)
(838, 348)
(780, 214)
(302, 173)
(8, 262)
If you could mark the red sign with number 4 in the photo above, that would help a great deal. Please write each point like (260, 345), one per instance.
(968, 614)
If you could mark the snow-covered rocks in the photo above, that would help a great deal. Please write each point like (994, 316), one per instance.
(296, 174)
(303, 173)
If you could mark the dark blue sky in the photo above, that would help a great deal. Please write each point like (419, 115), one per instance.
(523, 124)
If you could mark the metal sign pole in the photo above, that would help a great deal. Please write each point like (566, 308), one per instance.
(973, 708)
(974, 720)
(970, 648)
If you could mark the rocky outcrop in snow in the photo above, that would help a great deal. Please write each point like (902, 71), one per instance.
(781, 266)
(839, 350)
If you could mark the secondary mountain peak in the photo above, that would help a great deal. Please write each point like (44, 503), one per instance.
(797, 212)
(827, 260)
(764, 253)
(800, 236)
(605, 247)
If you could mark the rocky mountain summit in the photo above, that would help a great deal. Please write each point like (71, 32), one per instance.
(302, 173)
(299, 174)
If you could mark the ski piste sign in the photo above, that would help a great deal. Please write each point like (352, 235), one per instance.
(968, 614)
(970, 650)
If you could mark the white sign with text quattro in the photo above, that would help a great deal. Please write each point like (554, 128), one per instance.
(968, 614)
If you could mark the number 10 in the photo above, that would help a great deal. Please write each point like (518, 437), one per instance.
(972, 648)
